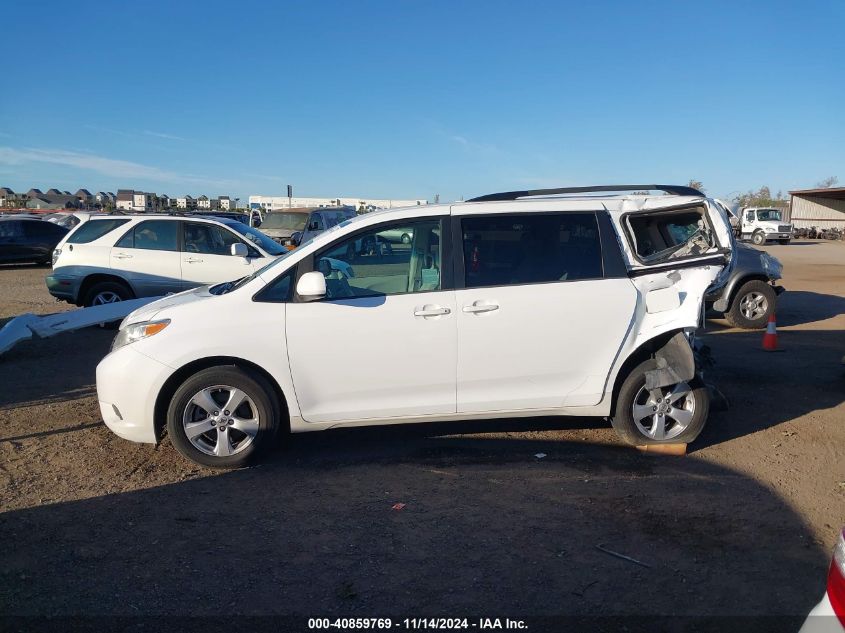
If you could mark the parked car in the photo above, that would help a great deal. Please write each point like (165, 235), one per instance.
(533, 303)
(829, 615)
(116, 257)
(28, 240)
(749, 297)
(293, 227)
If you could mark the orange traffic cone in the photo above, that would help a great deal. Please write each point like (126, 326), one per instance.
(770, 338)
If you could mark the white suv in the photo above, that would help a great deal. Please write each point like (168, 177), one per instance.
(528, 303)
(116, 257)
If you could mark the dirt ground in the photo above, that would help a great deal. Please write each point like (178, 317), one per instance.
(741, 526)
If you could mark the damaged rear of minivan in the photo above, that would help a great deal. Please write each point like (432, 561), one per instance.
(676, 248)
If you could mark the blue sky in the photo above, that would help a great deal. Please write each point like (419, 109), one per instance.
(411, 99)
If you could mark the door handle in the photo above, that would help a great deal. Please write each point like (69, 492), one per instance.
(478, 308)
(122, 256)
(193, 260)
(432, 311)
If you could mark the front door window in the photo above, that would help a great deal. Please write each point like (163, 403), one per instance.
(397, 259)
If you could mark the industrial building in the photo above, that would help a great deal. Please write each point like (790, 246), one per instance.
(272, 203)
(822, 208)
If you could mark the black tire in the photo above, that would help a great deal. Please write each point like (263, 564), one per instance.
(784, 242)
(735, 314)
(104, 288)
(623, 419)
(257, 390)
(758, 239)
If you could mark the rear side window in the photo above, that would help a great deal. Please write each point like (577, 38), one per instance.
(527, 249)
(42, 229)
(93, 230)
(675, 234)
(10, 228)
(152, 235)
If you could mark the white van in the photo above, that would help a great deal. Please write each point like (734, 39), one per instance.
(531, 303)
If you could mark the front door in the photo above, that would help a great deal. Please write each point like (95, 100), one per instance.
(382, 344)
(539, 324)
(207, 255)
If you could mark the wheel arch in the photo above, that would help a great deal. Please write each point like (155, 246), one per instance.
(739, 283)
(646, 351)
(723, 305)
(96, 278)
(183, 373)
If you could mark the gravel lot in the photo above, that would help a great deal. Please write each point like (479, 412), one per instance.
(743, 525)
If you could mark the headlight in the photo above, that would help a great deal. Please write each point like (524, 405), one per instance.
(771, 230)
(137, 331)
(56, 253)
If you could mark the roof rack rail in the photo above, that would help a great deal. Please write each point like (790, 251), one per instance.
(677, 190)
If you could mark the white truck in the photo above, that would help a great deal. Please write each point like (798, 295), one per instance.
(759, 224)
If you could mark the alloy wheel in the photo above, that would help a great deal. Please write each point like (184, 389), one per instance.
(221, 420)
(753, 305)
(105, 297)
(664, 414)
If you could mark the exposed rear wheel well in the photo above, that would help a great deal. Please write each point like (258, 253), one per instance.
(91, 280)
(182, 374)
(644, 352)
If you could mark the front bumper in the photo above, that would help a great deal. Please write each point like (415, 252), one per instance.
(62, 287)
(128, 384)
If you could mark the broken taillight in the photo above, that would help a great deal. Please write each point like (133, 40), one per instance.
(836, 579)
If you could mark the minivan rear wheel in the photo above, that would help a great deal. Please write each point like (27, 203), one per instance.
(674, 414)
(223, 417)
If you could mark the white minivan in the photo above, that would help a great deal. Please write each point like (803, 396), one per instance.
(579, 301)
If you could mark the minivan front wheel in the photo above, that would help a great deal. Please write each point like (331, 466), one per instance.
(668, 415)
(222, 417)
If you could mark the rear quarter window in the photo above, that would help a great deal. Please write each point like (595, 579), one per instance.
(94, 230)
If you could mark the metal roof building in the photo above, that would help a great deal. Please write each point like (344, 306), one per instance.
(822, 208)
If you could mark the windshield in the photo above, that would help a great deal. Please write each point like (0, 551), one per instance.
(229, 286)
(257, 237)
(285, 220)
(769, 214)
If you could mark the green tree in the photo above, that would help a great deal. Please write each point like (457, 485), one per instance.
(762, 197)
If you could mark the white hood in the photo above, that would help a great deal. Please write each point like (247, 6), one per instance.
(148, 312)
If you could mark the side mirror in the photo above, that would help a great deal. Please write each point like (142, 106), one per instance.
(239, 250)
(311, 286)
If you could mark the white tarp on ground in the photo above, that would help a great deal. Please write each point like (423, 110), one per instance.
(27, 326)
